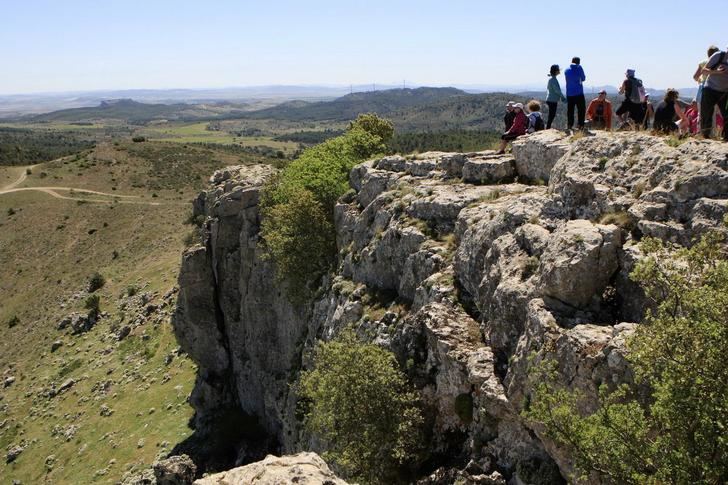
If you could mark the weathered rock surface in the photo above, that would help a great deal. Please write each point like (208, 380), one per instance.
(474, 278)
(303, 469)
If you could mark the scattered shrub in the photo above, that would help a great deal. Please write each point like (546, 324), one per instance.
(92, 303)
(359, 402)
(13, 321)
(96, 282)
(677, 435)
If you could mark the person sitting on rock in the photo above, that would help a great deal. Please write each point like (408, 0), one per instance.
(599, 112)
(649, 112)
(518, 128)
(630, 111)
(669, 117)
(692, 115)
(510, 115)
(535, 119)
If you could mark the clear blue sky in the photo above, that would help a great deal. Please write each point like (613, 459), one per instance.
(110, 44)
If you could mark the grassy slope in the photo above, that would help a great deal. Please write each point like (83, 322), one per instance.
(46, 256)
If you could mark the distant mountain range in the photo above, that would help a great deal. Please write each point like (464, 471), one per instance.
(13, 106)
(412, 110)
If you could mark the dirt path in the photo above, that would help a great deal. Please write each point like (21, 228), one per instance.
(53, 191)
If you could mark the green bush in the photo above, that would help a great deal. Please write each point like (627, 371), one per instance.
(360, 404)
(92, 304)
(678, 435)
(373, 124)
(96, 282)
(298, 204)
(13, 321)
(300, 237)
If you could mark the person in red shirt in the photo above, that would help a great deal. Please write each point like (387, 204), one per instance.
(599, 113)
(692, 115)
(518, 128)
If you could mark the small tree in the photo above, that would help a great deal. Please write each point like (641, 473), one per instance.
(359, 402)
(96, 282)
(680, 435)
(93, 305)
(374, 125)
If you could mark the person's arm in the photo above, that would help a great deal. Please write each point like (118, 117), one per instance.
(622, 88)
(679, 112)
(698, 73)
(590, 110)
(583, 76)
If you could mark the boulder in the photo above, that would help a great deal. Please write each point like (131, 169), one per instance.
(175, 470)
(536, 154)
(303, 469)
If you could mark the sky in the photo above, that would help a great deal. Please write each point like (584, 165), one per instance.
(79, 45)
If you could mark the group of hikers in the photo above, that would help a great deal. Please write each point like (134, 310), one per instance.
(636, 111)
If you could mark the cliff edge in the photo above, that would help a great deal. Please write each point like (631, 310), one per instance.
(465, 266)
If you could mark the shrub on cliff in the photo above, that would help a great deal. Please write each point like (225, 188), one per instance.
(360, 404)
(680, 434)
(298, 205)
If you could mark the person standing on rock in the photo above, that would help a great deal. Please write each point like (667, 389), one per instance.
(630, 111)
(700, 77)
(599, 113)
(554, 94)
(518, 128)
(715, 92)
(575, 78)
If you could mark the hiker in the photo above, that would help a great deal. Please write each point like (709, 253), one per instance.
(692, 115)
(669, 117)
(518, 128)
(701, 77)
(630, 111)
(649, 112)
(575, 78)
(554, 94)
(535, 119)
(599, 113)
(509, 116)
(715, 92)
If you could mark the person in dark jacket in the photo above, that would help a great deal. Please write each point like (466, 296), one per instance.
(669, 116)
(575, 78)
(518, 128)
(509, 116)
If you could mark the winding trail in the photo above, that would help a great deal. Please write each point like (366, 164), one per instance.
(53, 191)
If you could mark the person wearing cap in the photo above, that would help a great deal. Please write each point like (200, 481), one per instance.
(715, 92)
(649, 112)
(599, 112)
(575, 78)
(630, 111)
(554, 94)
(518, 128)
(510, 115)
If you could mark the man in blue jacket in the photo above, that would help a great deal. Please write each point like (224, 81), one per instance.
(575, 93)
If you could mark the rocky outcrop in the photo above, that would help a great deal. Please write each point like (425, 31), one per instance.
(469, 268)
(302, 468)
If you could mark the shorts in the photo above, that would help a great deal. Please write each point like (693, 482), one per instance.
(634, 109)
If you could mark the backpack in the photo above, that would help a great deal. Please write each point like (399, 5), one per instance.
(637, 91)
(535, 122)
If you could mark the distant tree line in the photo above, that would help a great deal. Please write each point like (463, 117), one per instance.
(23, 147)
(309, 137)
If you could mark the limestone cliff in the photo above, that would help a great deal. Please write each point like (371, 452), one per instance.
(463, 265)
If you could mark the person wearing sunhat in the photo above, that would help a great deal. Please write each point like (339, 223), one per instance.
(518, 128)
(554, 94)
(599, 112)
(509, 115)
